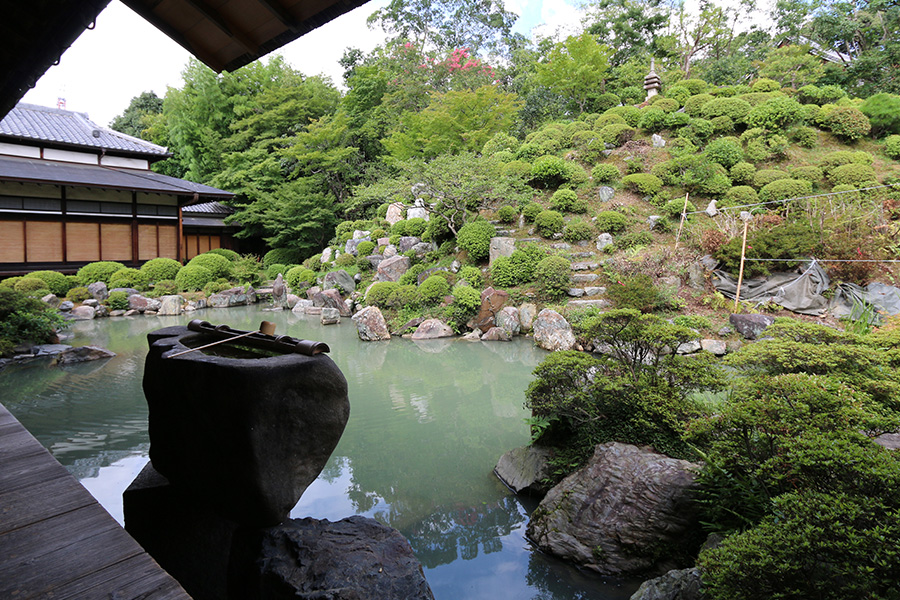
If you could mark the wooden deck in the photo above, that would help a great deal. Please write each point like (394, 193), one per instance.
(56, 541)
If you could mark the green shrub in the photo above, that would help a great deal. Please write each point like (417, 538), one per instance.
(465, 305)
(679, 94)
(380, 292)
(578, 230)
(742, 194)
(638, 292)
(404, 296)
(299, 277)
(726, 151)
(634, 239)
(30, 285)
(273, 270)
(616, 134)
(652, 119)
(733, 108)
(499, 143)
(631, 114)
(472, 275)
(785, 241)
(57, 283)
(643, 183)
(698, 322)
(553, 275)
(742, 172)
(98, 271)
(892, 146)
(883, 111)
(806, 137)
(226, 252)
(216, 264)
(117, 301)
(567, 201)
(78, 294)
(665, 104)
(605, 173)
(411, 277)
(844, 157)
(694, 105)
(247, 270)
(550, 172)
(475, 239)
(365, 248)
(722, 125)
(433, 290)
(214, 287)
(605, 101)
(608, 119)
(416, 226)
(284, 256)
(158, 269)
(674, 208)
(776, 114)
(345, 259)
(507, 214)
(784, 189)
(809, 173)
(765, 85)
(548, 223)
(192, 278)
(698, 131)
(10, 282)
(766, 176)
(531, 211)
(849, 123)
(676, 120)
(857, 175)
(130, 278)
(165, 287)
(610, 221)
(25, 319)
(502, 272)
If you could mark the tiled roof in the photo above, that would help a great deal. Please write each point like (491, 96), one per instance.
(209, 208)
(39, 123)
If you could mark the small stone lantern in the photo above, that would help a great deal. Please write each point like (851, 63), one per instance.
(652, 82)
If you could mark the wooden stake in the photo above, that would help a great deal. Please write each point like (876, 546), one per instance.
(737, 295)
(266, 327)
(680, 225)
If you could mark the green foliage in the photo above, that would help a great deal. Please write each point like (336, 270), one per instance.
(365, 248)
(284, 256)
(857, 175)
(573, 68)
(31, 285)
(78, 294)
(608, 119)
(411, 277)
(726, 151)
(380, 292)
(472, 275)
(501, 142)
(849, 123)
(553, 275)
(158, 269)
(665, 104)
(883, 111)
(117, 301)
(273, 270)
(784, 189)
(475, 239)
(634, 239)
(404, 297)
(550, 172)
(892, 146)
(697, 322)
(129, 278)
(786, 241)
(631, 114)
(674, 208)
(775, 114)
(810, 173)
(616, 134)
(192, 278)
(605, 172)
(10, 282)
(677, 119)
(764, 177)
(578, 230)
(507, 214)
(610, 221)
(643, 183)
(299, 277)
(548, 223)
(164, 287)
(247, 270)
(465, 305)
(345, 259)
(98, 271)
(765, 85)
(25, 319)
(57, 283)
(742, 172)
(740, 195)
(722, 125)
(531, 211)
(694, 105)
(638, 292)
(806, 137)
(567, 201)
(433, 290)
(652, 119)
(216, 264)
(733, 108)
(226, 252)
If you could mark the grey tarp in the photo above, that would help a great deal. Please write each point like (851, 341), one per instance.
(850, 300)
(798, 292)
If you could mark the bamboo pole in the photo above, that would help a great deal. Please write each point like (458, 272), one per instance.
(266, 327)
(737, 295)
(681, 224)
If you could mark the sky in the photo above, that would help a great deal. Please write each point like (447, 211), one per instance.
(124, 55)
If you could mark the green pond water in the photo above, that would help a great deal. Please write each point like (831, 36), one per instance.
(428, 422)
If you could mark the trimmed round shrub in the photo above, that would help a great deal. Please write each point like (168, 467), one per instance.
(192, 278)
(416, 226)
(844, 157)
(214, 287)
(380, 292)
(475, 239)
(117, 301)
(605, 101)
(578, 230)
(531, 211)
(643, 183)
(567, 201)
(501, 142)
(29, 285)
(472, 275)
(365, 248)
(631, 114)
(849, 123)
(695, 86)
(733, 108)
(158, 269)
(892, 146)
(517, 169)
(399, 228)
(530, 151)
(666, 104)
(638, 292)
(765, 85)
(553, 275)
(226, 252)
(298, 277)
(78, 294)
(699, 130)
(616, 134)
(605, 173)
(404, 296)
(129, 278)
(783, 189)
(652, 119)
(806, 137)
(57, 283)
(548, 223)
(165, 287)
(631, 94)
(433, 290)
(610, 221)
(677, 119)
(272, 271)
(694, 105)
(218, 265)
(284, 256)
(608, 119)
(634, 239)
(507, 214)
(679, 94)
(775, 114)
(856, 175)
(767, 176)
(549, 172)
(411, 277)
(10, 282)
(673, 208)
(467, 297)
(726, 151)
(809, 173)
(98, 271)
(722, 125)
(883, 111)
(741, 194)
(345, 260)
(503, 273)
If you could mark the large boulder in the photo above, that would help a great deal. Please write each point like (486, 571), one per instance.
(496, 334)
(370, 325)
(356, 558)
(524, 469)
(394, 213)
(501, 246)
(170, 305)
(333, 299)
(279, 292)
(527, 313)
(407, 243)
(627, 512)
(508, 320)
(143, 303)
(330, 316)
(683, 584)
(339, 279)
(750, 326)
(391, 269)
(83, 313)
(491, 302)
(552, 331)
(82, 354)
(98, 290)
(431, 329)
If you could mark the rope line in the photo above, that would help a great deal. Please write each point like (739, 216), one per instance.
(726, 208)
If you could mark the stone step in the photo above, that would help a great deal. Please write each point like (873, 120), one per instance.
(585, 266)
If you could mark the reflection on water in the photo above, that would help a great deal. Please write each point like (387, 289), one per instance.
(427, 424)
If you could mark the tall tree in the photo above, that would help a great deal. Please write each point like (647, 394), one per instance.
(792, 65)
(697, 33)
(137, 117)
(633, 27)
(575, 68)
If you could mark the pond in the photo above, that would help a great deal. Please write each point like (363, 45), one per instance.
(428, 421)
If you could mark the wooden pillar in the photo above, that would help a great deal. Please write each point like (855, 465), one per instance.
(134, 230)
(65, 225)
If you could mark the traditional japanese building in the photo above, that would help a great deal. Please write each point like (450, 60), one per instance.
(73, 192)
